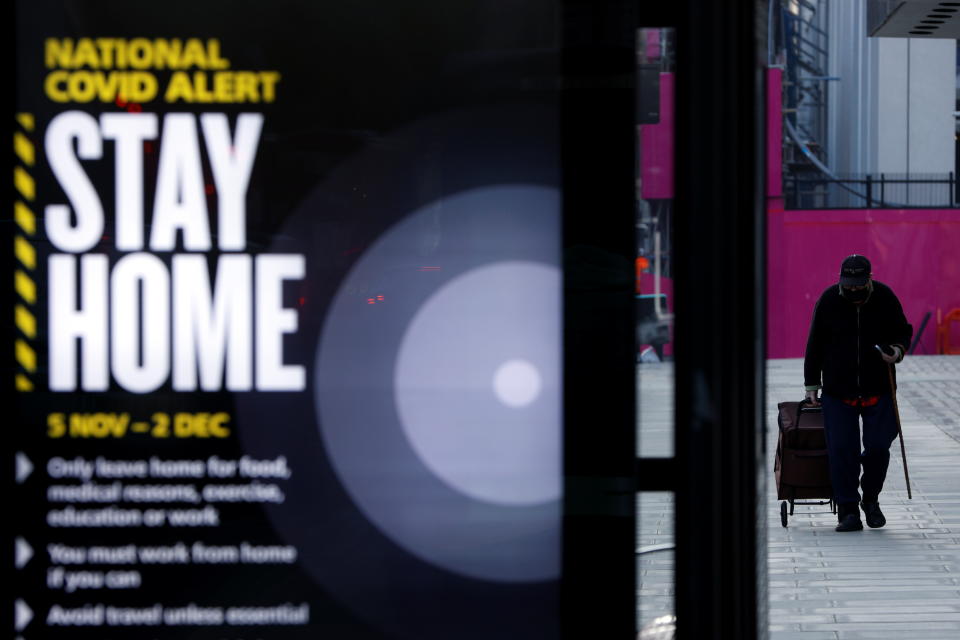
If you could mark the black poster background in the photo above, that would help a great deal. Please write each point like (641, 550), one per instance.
(382, 107)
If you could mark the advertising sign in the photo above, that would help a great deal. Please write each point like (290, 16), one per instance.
(286, 321)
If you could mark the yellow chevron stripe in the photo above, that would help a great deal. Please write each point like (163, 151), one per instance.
(26, 121)
(25, 218)
(24, 183)
(26, 356)
(25, 286)
(24, 148)
(25, 321)
(23, 383)
(25, 252)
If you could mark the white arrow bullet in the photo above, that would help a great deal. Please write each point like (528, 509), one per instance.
(22, 615)
(23, 553)
(24, 467)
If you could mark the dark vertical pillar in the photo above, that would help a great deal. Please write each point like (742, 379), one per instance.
(719, 321)
(598, 137)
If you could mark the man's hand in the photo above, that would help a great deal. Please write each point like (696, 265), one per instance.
(812, 398)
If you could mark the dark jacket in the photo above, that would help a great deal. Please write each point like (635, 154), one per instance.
(842, 339)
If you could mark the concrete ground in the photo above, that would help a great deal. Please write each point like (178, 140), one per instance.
(900, 582)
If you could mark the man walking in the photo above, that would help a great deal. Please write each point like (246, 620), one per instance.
(857, 334)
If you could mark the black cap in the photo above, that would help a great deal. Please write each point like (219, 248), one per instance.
(854, 271)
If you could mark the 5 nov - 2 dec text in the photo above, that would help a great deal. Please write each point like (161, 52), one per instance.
(160, 424)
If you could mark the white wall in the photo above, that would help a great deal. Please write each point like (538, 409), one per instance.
(932, 92)
(892, 130)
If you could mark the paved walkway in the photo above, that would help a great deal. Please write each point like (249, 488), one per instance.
(901, 582)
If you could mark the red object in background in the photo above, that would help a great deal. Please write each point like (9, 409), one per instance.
(944, 344)
(131, 107)
(642, 265)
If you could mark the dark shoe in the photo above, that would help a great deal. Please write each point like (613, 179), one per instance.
(850, 522)
(849, 517)
(874, 517)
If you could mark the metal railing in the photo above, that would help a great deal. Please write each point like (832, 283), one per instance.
(870, 191)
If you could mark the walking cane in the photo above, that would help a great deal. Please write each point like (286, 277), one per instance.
(896, 412)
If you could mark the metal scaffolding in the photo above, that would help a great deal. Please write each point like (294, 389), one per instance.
(803, 41)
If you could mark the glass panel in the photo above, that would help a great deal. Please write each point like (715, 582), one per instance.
(654, 300)
(654, 223)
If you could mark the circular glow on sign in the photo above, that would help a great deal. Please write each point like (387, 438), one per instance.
(439, 406)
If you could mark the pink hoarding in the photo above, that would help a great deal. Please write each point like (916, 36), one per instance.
(915, 251)
(656, 147)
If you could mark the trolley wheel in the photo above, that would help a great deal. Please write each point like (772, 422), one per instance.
(833, 506)
(783, 514)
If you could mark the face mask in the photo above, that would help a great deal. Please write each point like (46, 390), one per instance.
(855, 295)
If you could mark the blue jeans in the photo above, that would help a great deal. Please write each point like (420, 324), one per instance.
(842, 427)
